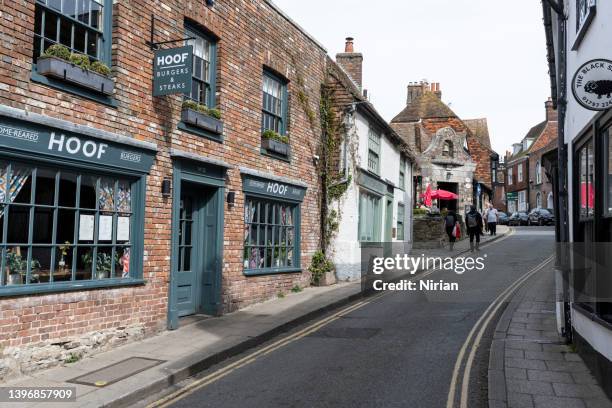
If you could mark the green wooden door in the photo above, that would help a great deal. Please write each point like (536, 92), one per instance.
(186, 276)
(209, 250)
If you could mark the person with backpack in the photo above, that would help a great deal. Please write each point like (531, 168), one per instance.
(450, 221)
(474, 223)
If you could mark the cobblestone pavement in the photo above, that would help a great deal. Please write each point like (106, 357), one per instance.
(530, 365)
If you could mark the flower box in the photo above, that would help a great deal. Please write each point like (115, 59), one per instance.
(64, 70)
(275, 146)
(202, 121)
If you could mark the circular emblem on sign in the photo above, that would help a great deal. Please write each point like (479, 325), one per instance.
(592, 85)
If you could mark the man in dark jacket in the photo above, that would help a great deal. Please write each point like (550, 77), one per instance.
(473, 221)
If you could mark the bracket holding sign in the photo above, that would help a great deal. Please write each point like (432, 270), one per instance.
(155, 45)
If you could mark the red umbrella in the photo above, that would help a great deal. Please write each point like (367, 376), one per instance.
(427, 195)
(444, 195)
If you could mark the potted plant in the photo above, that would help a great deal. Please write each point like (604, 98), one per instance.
(17, 267)
(58, 62)
(104, 263)
(321, 270)
(199, 115)
(272, 141)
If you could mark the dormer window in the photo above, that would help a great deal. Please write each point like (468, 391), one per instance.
(447, 150)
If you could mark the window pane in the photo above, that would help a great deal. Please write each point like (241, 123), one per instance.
(45, 187)
(20, 185)
(583, 181)
(122, 266)
(590, 175)
(92, 44)
(38, 17)
(43, 226)
(65, 227)
(79, 38)
(18, 224)
(84, 263)
(83, 11)
(16, 262)
(95, 19)
(51, 26)
(104, 262)
(63, 263)
(70, 7)
(88, 192)
(67, 189)
(41, 265)
(66, 33)
(106, 195)
(55, 4)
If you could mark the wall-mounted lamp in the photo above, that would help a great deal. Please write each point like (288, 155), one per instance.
(166, 187)
(449, 175)
(210, 3)
(231, 199)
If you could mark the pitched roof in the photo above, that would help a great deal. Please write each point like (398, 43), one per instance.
(425, 106)
(480, 129)
(534, 133)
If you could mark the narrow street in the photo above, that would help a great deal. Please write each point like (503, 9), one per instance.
(395, 350)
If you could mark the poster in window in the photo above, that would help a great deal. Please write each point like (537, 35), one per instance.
(86, 227)
(105, 232)
(123, 228)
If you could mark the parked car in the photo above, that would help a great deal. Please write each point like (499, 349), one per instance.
(540, 216)
(503, 218)
(518, 218)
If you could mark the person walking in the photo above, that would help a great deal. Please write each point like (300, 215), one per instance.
(492, 217)
(474, 223)
(449, 224)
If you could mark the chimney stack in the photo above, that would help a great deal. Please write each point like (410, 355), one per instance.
(435, 88)
(351, 61)
(551, 113)
(416, 89)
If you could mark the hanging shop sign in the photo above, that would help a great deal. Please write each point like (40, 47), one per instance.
(172, 71)
(28, 137)
(592, 85)
(273, 188)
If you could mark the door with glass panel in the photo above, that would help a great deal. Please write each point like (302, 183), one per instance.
(187, 257)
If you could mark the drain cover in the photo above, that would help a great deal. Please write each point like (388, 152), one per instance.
(116, 372)
(346, 333)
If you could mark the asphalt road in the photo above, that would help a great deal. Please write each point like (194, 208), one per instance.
(397, 351)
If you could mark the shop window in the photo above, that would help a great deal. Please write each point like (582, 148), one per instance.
(271, 236)
(374, 151)
(77, 24)
(586, 173)
(369, 218)
(274, 111)
(63, 227)
(401, 214)
(204, 75)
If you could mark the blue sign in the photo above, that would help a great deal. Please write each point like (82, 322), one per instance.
(31, 138)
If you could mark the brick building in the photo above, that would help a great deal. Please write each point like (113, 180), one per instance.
(527, 186)
(122, 212)
(450, 155)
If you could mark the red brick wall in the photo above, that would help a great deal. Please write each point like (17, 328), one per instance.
(516, 185)
(252, 35)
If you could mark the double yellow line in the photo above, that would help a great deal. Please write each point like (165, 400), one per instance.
(486, 317)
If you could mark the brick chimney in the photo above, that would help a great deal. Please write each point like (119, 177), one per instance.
(416, 89)
(435, 88)
(551, 113)
(351, 61)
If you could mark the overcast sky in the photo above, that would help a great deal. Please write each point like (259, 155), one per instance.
(489, 56)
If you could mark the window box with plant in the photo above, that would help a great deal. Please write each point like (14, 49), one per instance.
(58, 62)
(199, 115)
(274, 142)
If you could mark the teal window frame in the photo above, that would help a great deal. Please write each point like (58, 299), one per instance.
(296, 214)
(104, 52)
(402, 173)
(282, 117)
(136, 242)
(370, 217)
(374, 142)
(211, 97)
(401, 215)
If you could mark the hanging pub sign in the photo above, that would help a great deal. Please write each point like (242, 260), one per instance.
(172, 71)
(592, 85)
